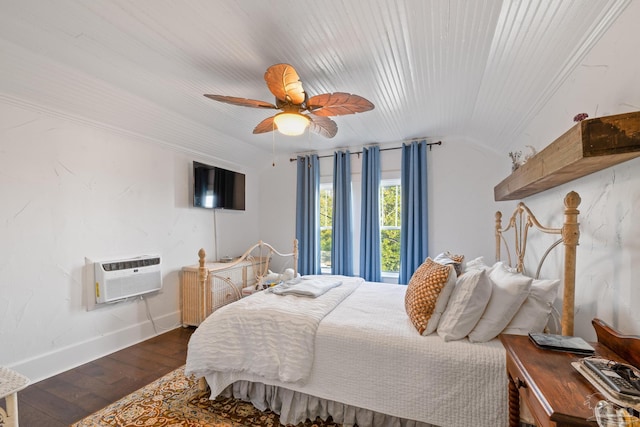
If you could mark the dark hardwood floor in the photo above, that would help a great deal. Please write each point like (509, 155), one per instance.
(72, 395)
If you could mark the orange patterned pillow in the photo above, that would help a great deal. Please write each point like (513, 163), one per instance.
(427, 294)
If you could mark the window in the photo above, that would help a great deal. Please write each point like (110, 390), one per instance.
(326, 223)
(390, 226)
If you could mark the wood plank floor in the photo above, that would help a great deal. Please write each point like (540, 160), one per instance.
(72, 395)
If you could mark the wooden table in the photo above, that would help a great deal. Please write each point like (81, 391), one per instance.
(552, 389)
(555, 393)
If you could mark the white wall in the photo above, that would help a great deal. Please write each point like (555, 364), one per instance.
(70, 192)
(608, 263)
(461, 208)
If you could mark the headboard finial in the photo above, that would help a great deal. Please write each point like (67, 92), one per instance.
(571, 229)
(572, 200)
(201, 255)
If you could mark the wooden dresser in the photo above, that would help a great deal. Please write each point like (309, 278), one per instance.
(554, 392)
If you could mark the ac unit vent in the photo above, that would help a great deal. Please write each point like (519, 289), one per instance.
(133, 263)
(119, 279)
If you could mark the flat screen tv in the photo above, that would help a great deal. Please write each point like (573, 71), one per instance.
(217, 188)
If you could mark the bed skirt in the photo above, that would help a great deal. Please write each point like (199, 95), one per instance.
(295, 407)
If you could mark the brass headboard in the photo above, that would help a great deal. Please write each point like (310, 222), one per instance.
(521, 221)
(259, 250)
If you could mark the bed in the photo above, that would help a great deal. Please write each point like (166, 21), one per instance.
(357, 353)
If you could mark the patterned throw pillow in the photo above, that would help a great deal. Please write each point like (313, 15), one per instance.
(427, 294)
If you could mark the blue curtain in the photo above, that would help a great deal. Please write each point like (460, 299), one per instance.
(370, 268)
(307, 214)
(414, 228)
(341, 224)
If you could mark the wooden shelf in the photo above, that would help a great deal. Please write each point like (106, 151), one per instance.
(589, 146)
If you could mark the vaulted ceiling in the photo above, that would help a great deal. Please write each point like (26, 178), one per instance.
(476, 69)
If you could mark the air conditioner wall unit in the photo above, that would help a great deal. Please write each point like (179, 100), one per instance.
(124, 278)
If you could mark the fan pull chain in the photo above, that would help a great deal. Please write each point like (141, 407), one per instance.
(273, 143)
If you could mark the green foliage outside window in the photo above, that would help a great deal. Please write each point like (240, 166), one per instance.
(390, 251)
(326, 217)
(390, 228)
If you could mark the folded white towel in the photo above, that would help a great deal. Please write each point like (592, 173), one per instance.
(306, 286)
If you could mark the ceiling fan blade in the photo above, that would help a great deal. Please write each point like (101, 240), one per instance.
(265, 126)
(338, 104)
(283, 81)
(323, 126)
(243, 102)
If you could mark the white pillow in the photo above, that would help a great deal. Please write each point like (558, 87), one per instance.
(289, 274)
(508, 293)
(475, 264)
(536, 309)
(466, 304)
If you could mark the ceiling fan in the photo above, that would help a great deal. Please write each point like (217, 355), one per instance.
(284, 83)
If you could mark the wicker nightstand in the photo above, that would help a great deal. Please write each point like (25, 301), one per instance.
(11, 383)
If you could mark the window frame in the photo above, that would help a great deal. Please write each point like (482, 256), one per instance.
(388, 182)
(324, 186)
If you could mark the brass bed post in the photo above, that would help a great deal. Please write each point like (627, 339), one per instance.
(202, 282)
(498, 234)
(570, 236)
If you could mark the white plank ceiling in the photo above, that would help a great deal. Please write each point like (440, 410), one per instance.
(479, 69)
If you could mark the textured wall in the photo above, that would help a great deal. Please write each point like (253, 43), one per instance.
(608, 264)
(71, 192)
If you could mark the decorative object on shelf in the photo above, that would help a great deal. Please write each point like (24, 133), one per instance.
(532, 152)
(515, 159)
(580, 117)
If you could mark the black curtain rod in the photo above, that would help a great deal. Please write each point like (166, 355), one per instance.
(429, 144)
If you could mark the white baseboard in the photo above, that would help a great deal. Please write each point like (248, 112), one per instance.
(52, 363)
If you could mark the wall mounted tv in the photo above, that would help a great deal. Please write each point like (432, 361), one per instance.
(217, 188)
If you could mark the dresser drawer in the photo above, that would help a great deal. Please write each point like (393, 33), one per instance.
(534, 407)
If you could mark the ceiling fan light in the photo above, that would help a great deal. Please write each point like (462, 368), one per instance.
(291, 124)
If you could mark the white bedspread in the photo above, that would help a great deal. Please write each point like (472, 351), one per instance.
(369, 355)
(265, 334)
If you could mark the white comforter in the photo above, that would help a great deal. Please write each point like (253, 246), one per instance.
(266, 334)
(369, 355)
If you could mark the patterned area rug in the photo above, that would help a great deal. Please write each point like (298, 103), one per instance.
(174, 400)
